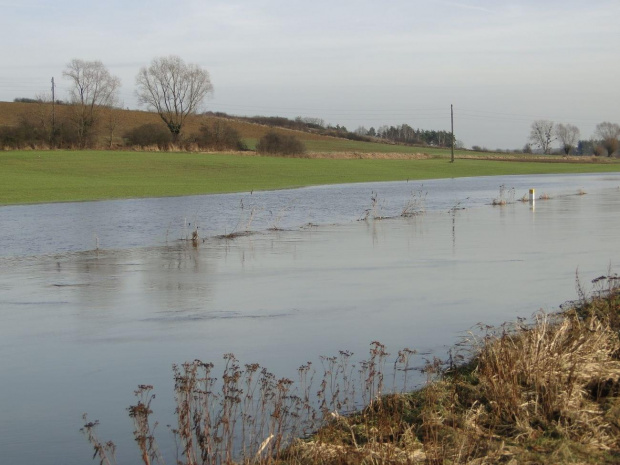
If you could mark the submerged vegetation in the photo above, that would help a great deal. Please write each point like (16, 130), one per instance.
(545, 391)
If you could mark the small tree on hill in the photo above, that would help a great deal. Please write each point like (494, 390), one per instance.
(173, 89)
(92, 89)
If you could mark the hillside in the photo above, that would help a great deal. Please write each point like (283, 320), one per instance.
(317, 145)
(11, 112)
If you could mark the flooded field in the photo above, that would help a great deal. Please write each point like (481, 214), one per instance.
(96, 298)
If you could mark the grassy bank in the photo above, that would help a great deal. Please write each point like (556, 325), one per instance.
(545, 391)
(539, 392)
(56, 176)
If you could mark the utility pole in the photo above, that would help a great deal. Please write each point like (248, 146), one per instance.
(53, 111)
(452, 126)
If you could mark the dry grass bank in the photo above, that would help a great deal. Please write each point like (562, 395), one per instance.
(539, 392)
(545, 391)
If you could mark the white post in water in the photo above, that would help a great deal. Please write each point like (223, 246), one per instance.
(532, 195)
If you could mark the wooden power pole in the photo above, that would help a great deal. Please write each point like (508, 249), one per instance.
(452, 127)
(53, 111)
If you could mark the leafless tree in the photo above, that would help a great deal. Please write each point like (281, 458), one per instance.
(173, 89)
(111, 121)
(608, 133)
(40, 114)
(568, 135)
(92, 89)
(541, 134)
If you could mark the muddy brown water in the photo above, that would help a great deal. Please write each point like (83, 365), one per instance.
(81, 328)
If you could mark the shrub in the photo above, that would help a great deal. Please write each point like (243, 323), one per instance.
(149, 134)
(356, 137)
(220, 136)
(610, 145)
(599, 150)
(10, 138)
(27, 134)
(66, 135)
(279, 144)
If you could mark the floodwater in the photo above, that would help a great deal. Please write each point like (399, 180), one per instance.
(98, 297)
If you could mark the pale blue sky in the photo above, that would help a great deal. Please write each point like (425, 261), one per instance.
(502, 64)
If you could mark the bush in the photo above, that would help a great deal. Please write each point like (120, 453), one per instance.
(599, 150)
(279, 144)
(149, 134)
(11, 138)
(66, 136)
(27, 134)
(220, 136)
(610, 145)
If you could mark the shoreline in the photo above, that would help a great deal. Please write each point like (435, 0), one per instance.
(545, 391)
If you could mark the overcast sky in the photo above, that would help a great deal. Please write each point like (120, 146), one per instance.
(503, 64)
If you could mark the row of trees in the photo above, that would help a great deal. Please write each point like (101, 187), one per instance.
(544, 133)
(405, 134)
(169, 86)
(174, 90)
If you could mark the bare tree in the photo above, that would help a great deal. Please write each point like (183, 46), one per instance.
(92, 88)
(568, 135)
(111, 121)
(173, 89)
(41, 115)
(541, 134)
(608, 133)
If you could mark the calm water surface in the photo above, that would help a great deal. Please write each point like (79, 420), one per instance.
(67, 227)
(81, 328)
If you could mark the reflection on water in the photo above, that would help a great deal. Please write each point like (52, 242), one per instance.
(81, 330)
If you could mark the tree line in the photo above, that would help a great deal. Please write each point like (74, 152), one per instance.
(544, 133)
(172, 89)
(169, 86)
(405, 134)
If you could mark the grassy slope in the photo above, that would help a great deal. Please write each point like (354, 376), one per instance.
(546, 393)
(51, 176)
(11, 113)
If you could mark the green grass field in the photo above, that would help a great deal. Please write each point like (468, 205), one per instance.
(57, 176)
